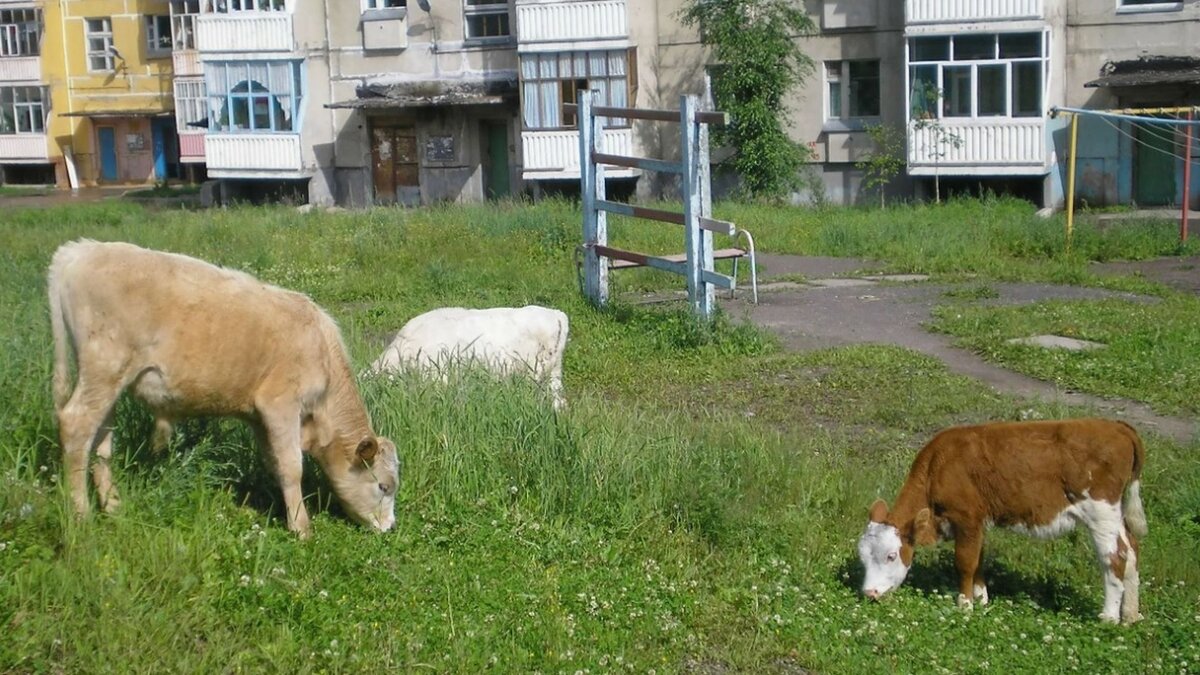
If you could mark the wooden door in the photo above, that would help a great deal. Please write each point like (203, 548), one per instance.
(394, 165)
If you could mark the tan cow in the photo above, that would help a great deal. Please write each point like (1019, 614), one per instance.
(1041, 478)
(189, 338)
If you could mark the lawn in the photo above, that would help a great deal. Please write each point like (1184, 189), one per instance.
(695, 508)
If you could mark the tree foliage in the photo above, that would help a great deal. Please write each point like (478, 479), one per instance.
(886, 159)
(753, 41)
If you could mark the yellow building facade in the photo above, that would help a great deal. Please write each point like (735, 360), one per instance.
(107, 66)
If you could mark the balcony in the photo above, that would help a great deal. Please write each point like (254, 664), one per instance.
(186, 62)
(543, 25)
(555, 154)
(999, 146)
(250, 155)
(24, 148)
(20, 69)
(252, 32)
(918, 12)
(191, 147)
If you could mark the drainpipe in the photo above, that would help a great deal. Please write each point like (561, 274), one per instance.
(1187, 179)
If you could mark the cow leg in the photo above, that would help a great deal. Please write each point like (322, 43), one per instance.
(102, 469)
(968, 548)
(162, 434)
(79, 424)
(980, 592)
(282, 431)
(1104, 521)
(1129, 601)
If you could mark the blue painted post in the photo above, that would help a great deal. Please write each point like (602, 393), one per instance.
(595, 221)
(700, 294)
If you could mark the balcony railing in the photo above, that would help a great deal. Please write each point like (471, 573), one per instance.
(1001, 145)
(186, 63)
(549, 22)
(253, 153)
(20, 69)
(245, 32)
(969, 11)
(555, 154)
(24, 148)
(191, 146)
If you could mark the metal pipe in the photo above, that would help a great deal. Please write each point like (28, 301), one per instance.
(1071, 181)
(1187, 180)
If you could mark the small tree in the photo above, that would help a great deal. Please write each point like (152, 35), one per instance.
(886, 159)
(925, 118)
(760, 61)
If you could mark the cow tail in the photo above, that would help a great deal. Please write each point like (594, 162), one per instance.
(1135, 514)
(58, 327)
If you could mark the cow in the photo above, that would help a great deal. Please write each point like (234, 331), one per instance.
(189, 338)
(1040, 478)
(505, 340)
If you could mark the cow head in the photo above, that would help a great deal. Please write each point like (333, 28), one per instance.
(366, 485)
(886, 548)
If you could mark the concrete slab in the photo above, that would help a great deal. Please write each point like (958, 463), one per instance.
(841, 283)
(898, 278)
(1057, 342)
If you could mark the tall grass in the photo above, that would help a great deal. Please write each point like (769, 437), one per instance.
(694, 508)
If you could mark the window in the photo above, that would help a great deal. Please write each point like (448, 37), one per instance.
(486, 19)
(1148, 5)
(100, 49)
(183, 23)
(158, 34)
(256, 96)
(852, 89)
(978, 75)
(20, 30)
(22, 110)
(369, 5)
(191, 108)
(229, 6)
(549, 80)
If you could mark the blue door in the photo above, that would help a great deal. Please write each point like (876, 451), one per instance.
(108, 153)
(160, 150)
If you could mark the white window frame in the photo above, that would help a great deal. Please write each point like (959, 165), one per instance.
(31, 111)
(384, 5)
(183, 24)
(542, 83)
(973, 65)
(838, 72)
(484, 9)
(1134, 7)
(20, 32)
(191, 103)
(155, 35)
(222, 77)
(105, 35)
(240, 6)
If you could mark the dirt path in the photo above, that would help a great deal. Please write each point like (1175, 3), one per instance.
(837, 306)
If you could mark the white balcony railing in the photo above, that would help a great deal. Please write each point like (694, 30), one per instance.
(253, 152)
(24, 148)
(20, 69)
(555, 154)
(550, 22)
(186, 62)
(245, 32)
(969, 11)
(1003, 145)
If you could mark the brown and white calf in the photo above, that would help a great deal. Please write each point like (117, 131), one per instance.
(189, 338)
(1042, 478)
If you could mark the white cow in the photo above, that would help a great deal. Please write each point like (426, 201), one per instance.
(505, 340)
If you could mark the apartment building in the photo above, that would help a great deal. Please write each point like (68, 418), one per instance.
(25, 150)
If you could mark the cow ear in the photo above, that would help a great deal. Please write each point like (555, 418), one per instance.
(924, 533)
(879, 511)
(367, 449)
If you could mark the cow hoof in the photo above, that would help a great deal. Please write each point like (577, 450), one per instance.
(964, 603)
(1130, 620)
(981, 595)
(1108, 618)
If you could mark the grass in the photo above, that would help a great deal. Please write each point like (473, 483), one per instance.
(164, 190)
(24, 190)
(695, 508)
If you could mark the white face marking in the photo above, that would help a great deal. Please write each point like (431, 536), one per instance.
(370, 496)
(879, 551)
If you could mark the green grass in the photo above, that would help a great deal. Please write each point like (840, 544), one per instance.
(24, 190)
(1150, 354)
(695, 508)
